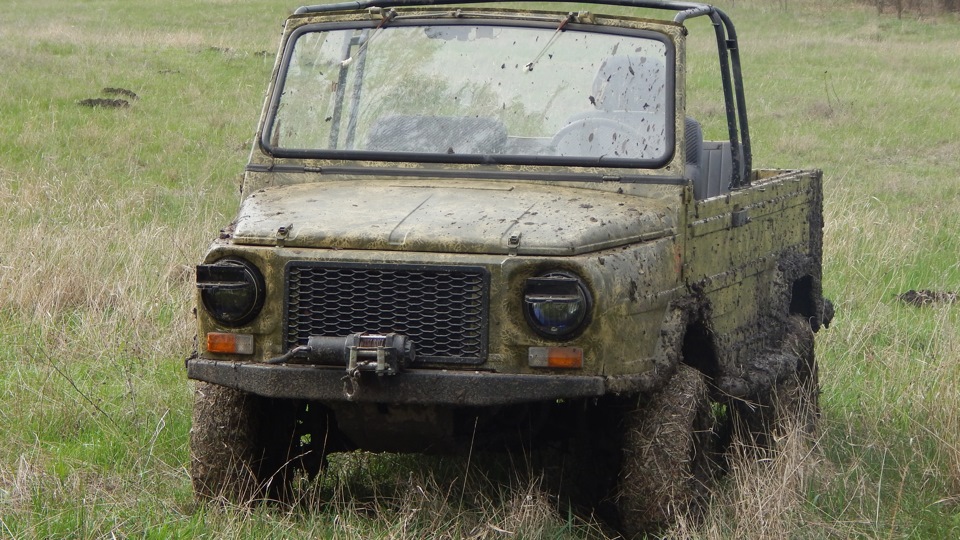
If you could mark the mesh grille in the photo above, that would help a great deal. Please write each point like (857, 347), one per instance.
(443, 310)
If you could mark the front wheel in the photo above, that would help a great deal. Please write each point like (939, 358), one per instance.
(245, 447)
(224, 441)
(671, 453)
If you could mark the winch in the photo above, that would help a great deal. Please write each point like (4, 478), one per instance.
(383, 354)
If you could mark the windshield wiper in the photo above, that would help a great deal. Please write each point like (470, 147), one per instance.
(570, 16)
(388, 17)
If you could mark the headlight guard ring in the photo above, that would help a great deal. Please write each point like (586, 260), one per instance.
(232, 290)
(557, 304)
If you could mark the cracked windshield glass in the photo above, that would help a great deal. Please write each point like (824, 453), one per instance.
(475, 90)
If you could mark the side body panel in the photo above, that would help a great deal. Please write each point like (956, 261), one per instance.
(752, 258)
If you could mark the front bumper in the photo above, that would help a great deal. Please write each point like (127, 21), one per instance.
(412, 386)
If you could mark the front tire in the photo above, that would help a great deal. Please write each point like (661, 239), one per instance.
(224, 444)
(670, 455)
(245, 447)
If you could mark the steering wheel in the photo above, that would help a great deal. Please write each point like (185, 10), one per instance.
(598, 136)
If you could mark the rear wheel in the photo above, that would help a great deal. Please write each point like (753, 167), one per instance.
(792, 405)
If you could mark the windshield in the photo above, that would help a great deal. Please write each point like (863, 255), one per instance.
(461, 91)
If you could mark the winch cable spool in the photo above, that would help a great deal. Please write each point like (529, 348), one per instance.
(383, 354)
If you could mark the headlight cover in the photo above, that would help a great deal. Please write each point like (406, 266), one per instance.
(557, 304)
(231, 290)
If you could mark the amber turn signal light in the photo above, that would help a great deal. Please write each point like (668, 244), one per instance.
(556, 357)
(224, 343)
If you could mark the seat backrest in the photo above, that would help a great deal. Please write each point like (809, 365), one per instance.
(716, 170)
(627, 119)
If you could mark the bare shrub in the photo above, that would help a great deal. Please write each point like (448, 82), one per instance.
(527, 514)
(18, 484)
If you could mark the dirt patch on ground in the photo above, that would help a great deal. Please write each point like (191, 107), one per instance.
(111, 102)
(105, 103)
(120, 92)
(927, 298)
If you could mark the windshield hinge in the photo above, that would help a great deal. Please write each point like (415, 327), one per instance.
(513, 243)
(282, 234)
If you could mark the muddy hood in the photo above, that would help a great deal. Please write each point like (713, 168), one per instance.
(444, 216)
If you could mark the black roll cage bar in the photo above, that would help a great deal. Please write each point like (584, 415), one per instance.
(727, 47)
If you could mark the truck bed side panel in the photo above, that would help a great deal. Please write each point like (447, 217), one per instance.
(749, 252)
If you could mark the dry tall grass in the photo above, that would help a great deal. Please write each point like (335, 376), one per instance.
(762, 497)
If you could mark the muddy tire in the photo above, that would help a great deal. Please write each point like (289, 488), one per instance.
(792, 406)
(670, 452)
(798, 397)
(245, 448)
(224, 441)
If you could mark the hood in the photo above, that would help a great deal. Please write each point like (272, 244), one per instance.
(447, 216)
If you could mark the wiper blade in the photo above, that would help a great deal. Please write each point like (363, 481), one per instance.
(570, 16)
(388, 17)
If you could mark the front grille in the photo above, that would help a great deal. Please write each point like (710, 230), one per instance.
(442, 309)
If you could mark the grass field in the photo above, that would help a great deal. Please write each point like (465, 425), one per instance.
(104, 211)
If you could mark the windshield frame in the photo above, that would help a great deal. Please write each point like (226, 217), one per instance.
(516, 20)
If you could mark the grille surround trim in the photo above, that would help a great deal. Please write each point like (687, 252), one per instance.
(464, 341)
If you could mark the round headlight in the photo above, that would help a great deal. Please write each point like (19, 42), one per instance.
(556, 305)
(231, 290)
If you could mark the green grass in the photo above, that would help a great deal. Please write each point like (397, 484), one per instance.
(104, 210)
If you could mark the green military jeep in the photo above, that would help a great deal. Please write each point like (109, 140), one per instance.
(484, 227)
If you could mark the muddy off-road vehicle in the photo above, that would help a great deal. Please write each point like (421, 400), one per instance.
(469, 227)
